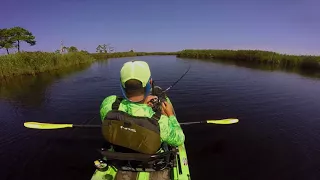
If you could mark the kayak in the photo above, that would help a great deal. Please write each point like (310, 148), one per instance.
(180, 171)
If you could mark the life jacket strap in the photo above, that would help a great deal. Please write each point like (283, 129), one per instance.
(156, 116)
(115, 106)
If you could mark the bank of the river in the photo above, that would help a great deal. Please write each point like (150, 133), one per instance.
(36, 62)
(27, 63)
(102, 56)
(256, 56)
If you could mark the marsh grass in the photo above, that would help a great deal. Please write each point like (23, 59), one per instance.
(103, 56)
(30, 63)
(256, 56)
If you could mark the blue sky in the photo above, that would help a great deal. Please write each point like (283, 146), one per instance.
(286, 26)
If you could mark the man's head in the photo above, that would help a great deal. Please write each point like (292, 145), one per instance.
(135, 77)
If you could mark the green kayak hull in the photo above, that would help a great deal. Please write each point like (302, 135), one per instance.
(180, 172)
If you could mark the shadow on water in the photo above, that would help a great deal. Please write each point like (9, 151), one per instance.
(309, 73)
(31, 90)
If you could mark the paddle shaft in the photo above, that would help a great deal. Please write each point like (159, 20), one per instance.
(99, 126)
(86, 126)
(96, 126)
(38, 125)
(184, 123)
(199, 122)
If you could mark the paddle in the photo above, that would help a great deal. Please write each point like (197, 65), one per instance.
(221, 121)
(37, 125)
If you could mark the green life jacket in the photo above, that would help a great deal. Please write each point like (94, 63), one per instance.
(141, 134)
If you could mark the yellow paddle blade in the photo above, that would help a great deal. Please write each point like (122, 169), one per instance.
(37, 125)
(223, 121)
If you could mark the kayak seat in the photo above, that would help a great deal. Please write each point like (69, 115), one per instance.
(139, 162)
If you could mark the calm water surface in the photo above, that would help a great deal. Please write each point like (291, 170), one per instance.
(278, 136)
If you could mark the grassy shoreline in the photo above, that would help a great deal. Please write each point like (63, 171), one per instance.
(103, 56)
(256, 56)
(31, 63)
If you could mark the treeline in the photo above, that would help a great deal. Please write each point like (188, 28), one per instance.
(22, 63)
(102, 56)
(156, 53)
(66, 49)
(255, 56)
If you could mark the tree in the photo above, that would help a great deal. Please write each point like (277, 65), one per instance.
(72, 49)
(20, 34)
(84, 51)
(99, 49)
(105, 48)
(6, 40)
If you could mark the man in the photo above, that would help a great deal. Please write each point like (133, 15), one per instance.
(135, 79)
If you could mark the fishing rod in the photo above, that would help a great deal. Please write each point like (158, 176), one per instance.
(153, 92)
(178, 79)
(160, 98)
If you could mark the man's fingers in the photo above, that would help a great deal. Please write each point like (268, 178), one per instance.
(163, 105)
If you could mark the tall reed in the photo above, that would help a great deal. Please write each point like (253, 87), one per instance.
(256, 56)
(36, 62)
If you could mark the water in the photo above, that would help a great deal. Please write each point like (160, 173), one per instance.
(278, 136)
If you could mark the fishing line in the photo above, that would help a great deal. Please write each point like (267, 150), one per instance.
(157, 101)
(178, 79)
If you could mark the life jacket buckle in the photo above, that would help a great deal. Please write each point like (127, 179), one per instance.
(101, 165)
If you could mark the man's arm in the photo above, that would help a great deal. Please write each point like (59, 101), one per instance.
(106, 106)
(170, 131)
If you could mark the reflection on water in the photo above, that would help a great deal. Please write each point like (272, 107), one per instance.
(310, 73)
(30, 90)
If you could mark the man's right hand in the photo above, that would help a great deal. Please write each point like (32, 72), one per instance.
(167, 109)
(148, 100)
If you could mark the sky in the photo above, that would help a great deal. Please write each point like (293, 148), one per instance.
(285, 26)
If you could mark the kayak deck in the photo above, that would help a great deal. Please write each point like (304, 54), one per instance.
(178, 172)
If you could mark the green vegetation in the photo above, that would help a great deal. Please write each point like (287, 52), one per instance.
(36, 62)
(12, 37)
(156, 53)
(256, 56)
(72, 49)
(24, 63)
(103, 56)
